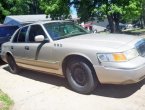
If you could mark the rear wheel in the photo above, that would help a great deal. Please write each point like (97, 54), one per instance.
(80, 76)
(12, 64)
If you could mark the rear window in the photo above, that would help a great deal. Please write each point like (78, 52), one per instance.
(7, 31)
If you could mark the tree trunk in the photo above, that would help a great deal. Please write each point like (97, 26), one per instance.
(117, 28)
(116, 17)
(111, 23)
(143, 11)
(142, 22)
(144, 18)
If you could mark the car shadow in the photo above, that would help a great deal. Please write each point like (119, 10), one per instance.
(105, 90)
(42, 77)
(118, 91)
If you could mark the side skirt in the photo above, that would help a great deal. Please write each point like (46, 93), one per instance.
(41, 69)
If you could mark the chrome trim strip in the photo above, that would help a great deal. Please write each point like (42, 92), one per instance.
(50, 62)
(46, 70)
(39, 63)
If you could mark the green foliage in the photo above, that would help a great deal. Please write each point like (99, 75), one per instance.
(115, 9)
(85, 9)
(55, 8)
(132, 11)
(4, 8)
(19, 7)
(129, 10)
(6, 101)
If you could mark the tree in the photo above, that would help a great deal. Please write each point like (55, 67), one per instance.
(118, 10)
(143, 10)
(4, 8)
(19, 7)
(142, 18)
(26, 7)
(85, 9)
(114, 10)
(57, 9)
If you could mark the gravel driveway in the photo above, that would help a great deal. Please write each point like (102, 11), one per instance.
(35, 91)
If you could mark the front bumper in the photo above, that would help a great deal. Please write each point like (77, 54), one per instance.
(123, 73)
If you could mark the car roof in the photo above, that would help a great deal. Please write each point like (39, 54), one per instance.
(43, 22)
(8, 26)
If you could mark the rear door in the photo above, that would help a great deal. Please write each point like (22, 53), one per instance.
(18, 44)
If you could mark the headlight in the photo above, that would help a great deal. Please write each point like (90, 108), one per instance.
(118, 57)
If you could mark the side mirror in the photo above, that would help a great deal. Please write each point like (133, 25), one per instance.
(39, 38)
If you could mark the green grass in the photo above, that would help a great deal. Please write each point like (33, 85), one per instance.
(135, 30)
(138, 30)
(5, 101)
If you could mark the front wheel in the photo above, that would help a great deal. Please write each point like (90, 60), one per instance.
(12, 65)
(80, 76)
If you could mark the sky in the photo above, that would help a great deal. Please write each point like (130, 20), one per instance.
(73, 12)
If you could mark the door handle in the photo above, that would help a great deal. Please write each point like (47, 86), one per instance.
(12, 47)
(26, 47)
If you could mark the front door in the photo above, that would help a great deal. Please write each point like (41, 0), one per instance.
(39, 54)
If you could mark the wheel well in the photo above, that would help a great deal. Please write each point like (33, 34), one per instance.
(8, 55)
(71, 57)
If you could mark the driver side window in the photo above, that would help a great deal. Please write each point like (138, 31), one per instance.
(34, 31)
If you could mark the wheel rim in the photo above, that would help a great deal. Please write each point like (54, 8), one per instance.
(79, 75)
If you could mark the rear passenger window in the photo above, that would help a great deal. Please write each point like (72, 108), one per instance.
(22, 35)
(16, 36)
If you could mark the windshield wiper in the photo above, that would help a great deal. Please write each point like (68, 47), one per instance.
(69, 36)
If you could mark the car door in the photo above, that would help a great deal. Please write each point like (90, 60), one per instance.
(39, 54)
(18, 45)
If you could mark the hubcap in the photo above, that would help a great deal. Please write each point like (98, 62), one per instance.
(79, 75)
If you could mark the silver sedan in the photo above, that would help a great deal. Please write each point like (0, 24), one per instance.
(86, 60)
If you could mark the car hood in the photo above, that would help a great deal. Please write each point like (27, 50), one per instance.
(102, 41)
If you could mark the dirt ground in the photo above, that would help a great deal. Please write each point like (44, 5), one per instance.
(36, 91)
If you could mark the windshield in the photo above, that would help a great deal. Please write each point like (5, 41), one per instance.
(61, 30)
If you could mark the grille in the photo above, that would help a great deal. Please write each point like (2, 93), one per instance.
(141, 48)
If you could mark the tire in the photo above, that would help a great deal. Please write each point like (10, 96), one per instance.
(80, 76)
(12, 65)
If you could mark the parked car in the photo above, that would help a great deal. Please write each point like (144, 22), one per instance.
(121, 27)
(137, 24)
(85, 60)
(96, 28)
(5, 33)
